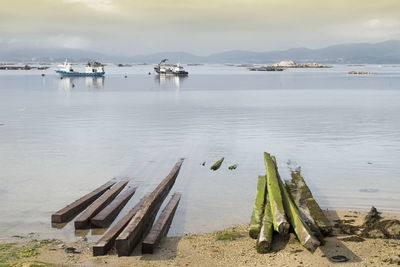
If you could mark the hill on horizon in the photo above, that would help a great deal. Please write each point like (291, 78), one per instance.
(387, 52)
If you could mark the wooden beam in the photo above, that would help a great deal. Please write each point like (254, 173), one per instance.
(107, 241)
(303, 232)
(135, 230)
(105, 217)
(281, 225)
(264, 241)
(70, 211)
(313, 214)
(161, 227)
(258, 210)
(83, 221)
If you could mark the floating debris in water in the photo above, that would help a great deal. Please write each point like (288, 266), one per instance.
(204, 163)
(126, 76)
(217, 164)
(233, 167)
(43, 74)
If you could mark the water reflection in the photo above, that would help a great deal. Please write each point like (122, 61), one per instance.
(67, 84)
(94, 82)
(170, 81)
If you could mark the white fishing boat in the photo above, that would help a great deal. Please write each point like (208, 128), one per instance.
(174, 69)
(92, 68)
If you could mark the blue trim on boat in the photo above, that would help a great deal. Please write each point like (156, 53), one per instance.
(65, 73)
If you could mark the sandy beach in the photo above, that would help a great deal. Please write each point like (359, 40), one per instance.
(205, 249)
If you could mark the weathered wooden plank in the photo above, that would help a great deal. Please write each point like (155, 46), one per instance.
(107, 241)
(105, 217)
(83, 221)
(258, 210)
(310, 210)
(161, 227)
(265, 237)
(73, 209)
(135, 230)
(278, 212)
(303, 232)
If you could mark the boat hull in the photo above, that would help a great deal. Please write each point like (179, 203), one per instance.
(80, 74)
(180, 73)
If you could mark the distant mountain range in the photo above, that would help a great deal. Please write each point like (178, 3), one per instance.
(379, 53)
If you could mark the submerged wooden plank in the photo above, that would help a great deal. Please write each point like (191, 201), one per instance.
(105, 217)
(83, 221)
(265, 237)
(161, 227)
(107, 241)
(73, 209)
(275, 197)
(140, 223)
(258, 210)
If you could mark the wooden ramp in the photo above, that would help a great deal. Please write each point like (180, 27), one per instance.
(141, 222)
(70, 211)
(161, 227)
(83, 221)
(105, 217)
(107, 241)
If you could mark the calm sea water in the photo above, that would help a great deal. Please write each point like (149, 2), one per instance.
(60, 139)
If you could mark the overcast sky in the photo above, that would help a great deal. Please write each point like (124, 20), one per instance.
(202, 27)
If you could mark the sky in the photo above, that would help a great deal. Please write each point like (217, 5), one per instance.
(202, 27)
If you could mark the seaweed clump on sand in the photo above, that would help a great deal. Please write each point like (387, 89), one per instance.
(375, 227)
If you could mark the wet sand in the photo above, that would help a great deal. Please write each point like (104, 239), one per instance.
(205, 250)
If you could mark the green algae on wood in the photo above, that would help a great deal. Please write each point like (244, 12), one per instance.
(303, 232)
(258, 210)
(275, 198)
(217, 164)
(265, 237)
(305, 201)
(232, 167)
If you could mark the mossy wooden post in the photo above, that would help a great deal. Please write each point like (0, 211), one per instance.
(305, 201)
(265, 237)
(295, 195)
(303, 232)
(275, 198)
(258, 210)
(217, 164)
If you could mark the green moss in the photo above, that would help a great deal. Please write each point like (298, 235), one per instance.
(233, 167)
(12, 252)
(258, 210)
(217, 164)
(228, 236)
(275, 197)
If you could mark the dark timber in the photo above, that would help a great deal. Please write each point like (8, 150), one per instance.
(83, 221)
(310, 210)
(70, 211)
(105, 217)
(141, 222)
(107, 241)
(161, 227)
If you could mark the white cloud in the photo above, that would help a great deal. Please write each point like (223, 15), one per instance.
(62, 41)
(98, 5)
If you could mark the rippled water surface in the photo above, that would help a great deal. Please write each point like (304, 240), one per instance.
(61, 138)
